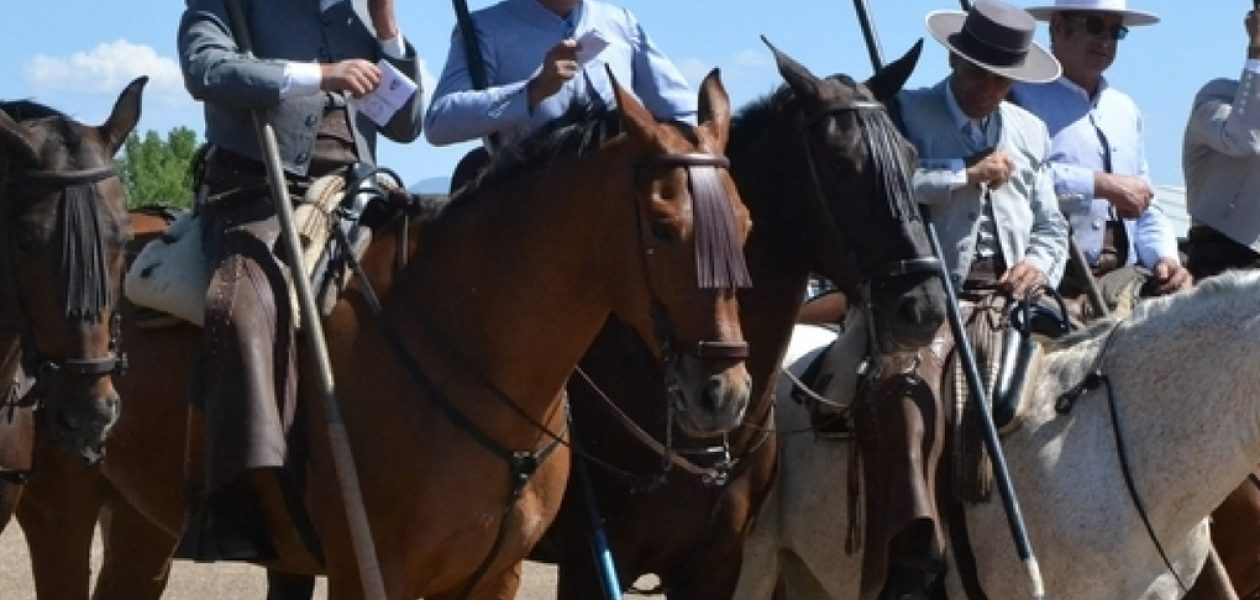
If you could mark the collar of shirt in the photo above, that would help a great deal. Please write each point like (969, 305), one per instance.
(970, 128)
(533, 12)
(1080, 91)
(324, 5)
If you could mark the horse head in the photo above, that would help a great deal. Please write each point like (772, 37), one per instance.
(63, 227)
(692, 225)
(861, 176)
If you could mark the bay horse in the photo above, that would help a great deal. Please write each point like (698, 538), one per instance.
(1189, 422)
(825, 175)
(63, 227)
(501, 292)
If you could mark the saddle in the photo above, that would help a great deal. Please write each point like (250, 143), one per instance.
(171, 273)
(830, 383)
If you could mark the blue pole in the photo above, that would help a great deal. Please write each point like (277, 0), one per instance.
(599, 540)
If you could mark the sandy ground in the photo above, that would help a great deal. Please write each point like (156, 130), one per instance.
(191, 581)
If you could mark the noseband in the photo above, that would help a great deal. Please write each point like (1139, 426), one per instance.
(719, 256)
(892, 269)
(46, 368)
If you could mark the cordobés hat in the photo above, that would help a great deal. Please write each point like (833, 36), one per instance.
(1132, 18)
(997, 37)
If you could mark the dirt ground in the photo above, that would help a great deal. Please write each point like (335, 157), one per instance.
(191, 581)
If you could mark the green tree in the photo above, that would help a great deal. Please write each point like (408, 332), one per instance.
(156, 171)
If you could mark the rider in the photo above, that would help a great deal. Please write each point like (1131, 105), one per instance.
(1098, 158)
(573, 41)
(312, 59)
(1222, 167)
(984, 175)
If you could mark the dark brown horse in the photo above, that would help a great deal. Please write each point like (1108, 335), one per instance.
(500, 294)
(826, 177)
(62, 231)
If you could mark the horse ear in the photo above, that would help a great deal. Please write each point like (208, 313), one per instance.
(802, 82)
(635, 120)
(124, 117)
(715, 107)
(15, 142)
(889, 80)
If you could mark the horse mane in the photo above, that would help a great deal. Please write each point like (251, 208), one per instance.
(25, 110)
(575, 134)
(1231, 299)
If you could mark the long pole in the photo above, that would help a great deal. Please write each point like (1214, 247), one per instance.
(313, 334)
(1001, 473)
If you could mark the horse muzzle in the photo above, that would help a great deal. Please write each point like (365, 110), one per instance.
(707, 403)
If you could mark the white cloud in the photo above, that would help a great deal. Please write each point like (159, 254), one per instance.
(105, 70)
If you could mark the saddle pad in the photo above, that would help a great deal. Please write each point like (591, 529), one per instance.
(171, 273)
(840, 368)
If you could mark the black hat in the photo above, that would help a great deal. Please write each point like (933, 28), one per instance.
(997, 37)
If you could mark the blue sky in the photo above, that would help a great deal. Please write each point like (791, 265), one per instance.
(76, 55)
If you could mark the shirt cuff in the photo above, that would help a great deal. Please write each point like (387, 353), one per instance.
(301, 79)
(955, 167)
(395, 47)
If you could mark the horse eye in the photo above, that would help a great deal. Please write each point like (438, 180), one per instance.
(663, 233)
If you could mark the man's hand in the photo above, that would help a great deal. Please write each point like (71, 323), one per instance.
(559, 66)
(991, 167)
(1130, 195)
(383, 19)
(1018, 279)
(354, 75)
(1172, 276)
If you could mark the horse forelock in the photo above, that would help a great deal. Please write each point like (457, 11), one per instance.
(84, 233)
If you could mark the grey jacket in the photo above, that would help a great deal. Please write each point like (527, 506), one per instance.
(1026, 211)
(1221, 158)
(231, 85)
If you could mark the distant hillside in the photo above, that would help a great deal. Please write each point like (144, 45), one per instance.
(432, 185)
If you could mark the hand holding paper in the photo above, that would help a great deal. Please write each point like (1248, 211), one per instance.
(394, 91)
(590, 45)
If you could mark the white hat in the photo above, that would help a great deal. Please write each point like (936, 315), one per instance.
(1131, 17)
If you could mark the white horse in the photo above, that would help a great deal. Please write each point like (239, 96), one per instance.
(1187, 388)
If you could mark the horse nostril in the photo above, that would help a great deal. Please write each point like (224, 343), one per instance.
(712, 396)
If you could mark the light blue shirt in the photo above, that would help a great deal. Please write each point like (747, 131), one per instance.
(979, 136)
(515, 36)
(1087, 133)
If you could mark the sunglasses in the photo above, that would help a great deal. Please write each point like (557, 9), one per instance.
(1095, 26)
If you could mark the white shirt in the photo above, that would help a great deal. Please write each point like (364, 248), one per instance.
(1102, 133)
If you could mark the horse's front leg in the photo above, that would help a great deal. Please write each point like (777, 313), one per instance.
(137, 554)
(10, 493)
(58, 515)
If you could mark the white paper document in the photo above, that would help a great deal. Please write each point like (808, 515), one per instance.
(394, 91)
(590, 45)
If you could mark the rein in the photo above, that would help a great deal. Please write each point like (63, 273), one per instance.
(723, 265)
(1067, 401)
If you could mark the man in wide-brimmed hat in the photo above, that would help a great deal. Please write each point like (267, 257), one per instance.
(984, 175)
(1098, 157)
